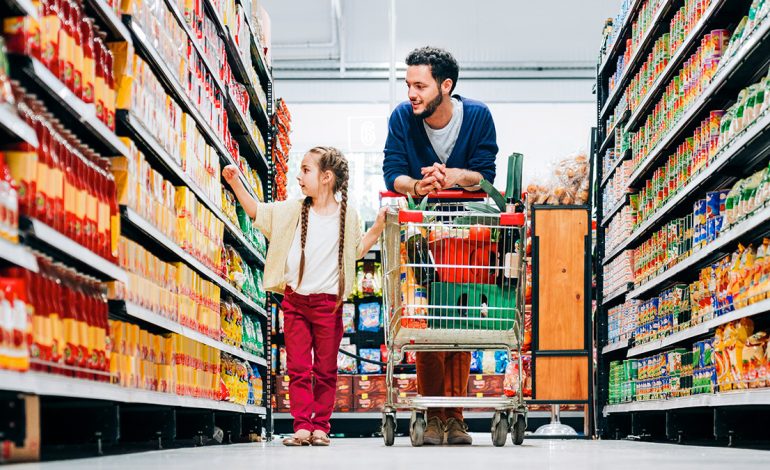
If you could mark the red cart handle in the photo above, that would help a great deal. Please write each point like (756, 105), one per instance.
(445, 194)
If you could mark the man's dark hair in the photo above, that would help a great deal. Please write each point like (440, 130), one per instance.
(442, 64)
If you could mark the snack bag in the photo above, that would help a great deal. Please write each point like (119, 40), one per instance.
(348, 318)
(369, 317)
(368, 367)
(477, 358)
(347, 364)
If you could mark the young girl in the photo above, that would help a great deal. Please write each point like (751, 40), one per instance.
(314, 245)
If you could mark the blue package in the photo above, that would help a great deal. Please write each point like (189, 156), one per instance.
(477, 362)
(719, 222)
(368, 367)
(699, 212)
(713, 204)
(369, 317)
(501, 362)
(711, 233)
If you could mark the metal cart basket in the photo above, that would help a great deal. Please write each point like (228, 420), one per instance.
(454, 281)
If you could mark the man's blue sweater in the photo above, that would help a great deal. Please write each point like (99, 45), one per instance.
(408, 148)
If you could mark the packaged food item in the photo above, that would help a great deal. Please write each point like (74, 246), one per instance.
(369, 317)
(348, 318)
(368, 367)
(345, 363)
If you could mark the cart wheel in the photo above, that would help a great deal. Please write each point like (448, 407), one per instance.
(417, 429)
(389, 429)
(519, 428)
(499, 429)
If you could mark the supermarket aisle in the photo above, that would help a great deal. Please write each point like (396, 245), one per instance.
(353, 453)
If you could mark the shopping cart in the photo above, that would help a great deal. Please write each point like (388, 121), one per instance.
(454, 280)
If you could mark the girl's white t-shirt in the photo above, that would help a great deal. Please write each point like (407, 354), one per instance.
(321, 274)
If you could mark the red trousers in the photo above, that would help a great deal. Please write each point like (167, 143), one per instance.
(313, 331)
(443, 374)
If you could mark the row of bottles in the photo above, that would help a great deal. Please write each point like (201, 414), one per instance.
(72, 47)
(57, 319)
(63, 183)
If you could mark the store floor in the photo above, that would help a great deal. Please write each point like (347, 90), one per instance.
(371, 454)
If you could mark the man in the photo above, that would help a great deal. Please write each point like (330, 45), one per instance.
(438, 141)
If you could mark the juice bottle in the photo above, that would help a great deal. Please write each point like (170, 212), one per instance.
(77, 52)
(109, 85)
(43, 194)
(89, 68)
(91, 207)
(22, 34)
(103, 216)
(84, 322)
(66, 45)
(56, 179)
(10, 210)
(21, 159)
(114, 227)
(69, 192)
(99, 83)
(49, 35)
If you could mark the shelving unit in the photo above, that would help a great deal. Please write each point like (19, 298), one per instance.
(746, 153)
(36, 238)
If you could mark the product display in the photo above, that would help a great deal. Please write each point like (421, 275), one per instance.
(281, 148)
(568, 186)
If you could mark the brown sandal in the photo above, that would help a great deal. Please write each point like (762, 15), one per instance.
(321, 441)
(297, 442)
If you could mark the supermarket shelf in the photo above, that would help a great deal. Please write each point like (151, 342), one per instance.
(110, 21)
(34, 74)
(239, 66)
(620, 345)
(639, 54)
(758, 135)
(40, 383)
(81, 257)
(241, 131)
(691, 42)
(625, 29)
(700, 329)
(175, 89)
(132, 126)
(606, 179)
(22, 7)
(615, 252)
(377, 415)
(138, 222)
(174, 9)
(752, 57)
(618, 293)
(735, 398)
(606, 144)
(752, 227)
(135, 311)
(18, 255)
(13, 125)
(258, 54)
(615, 210)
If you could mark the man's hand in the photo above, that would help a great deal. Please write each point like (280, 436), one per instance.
(446, 177)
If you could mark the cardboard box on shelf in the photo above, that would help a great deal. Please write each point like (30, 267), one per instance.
(486, 385)
(282, 384)
(406, 383)
(369, 402)
(369, 384)
(30, 451)
(282, 403)
(344, 399)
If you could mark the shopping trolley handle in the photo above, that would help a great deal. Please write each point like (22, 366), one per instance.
(443, 195)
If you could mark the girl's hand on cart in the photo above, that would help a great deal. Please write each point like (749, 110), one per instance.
(379, 222)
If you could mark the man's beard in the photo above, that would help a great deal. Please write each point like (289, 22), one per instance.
(431, 107)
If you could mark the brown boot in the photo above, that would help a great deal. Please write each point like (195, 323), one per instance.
(457, 433)
(434, 432)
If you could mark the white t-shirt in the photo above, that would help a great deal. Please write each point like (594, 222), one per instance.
(443, 140)
(321, 274)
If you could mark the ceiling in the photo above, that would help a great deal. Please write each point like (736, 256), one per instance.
(486, 36)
